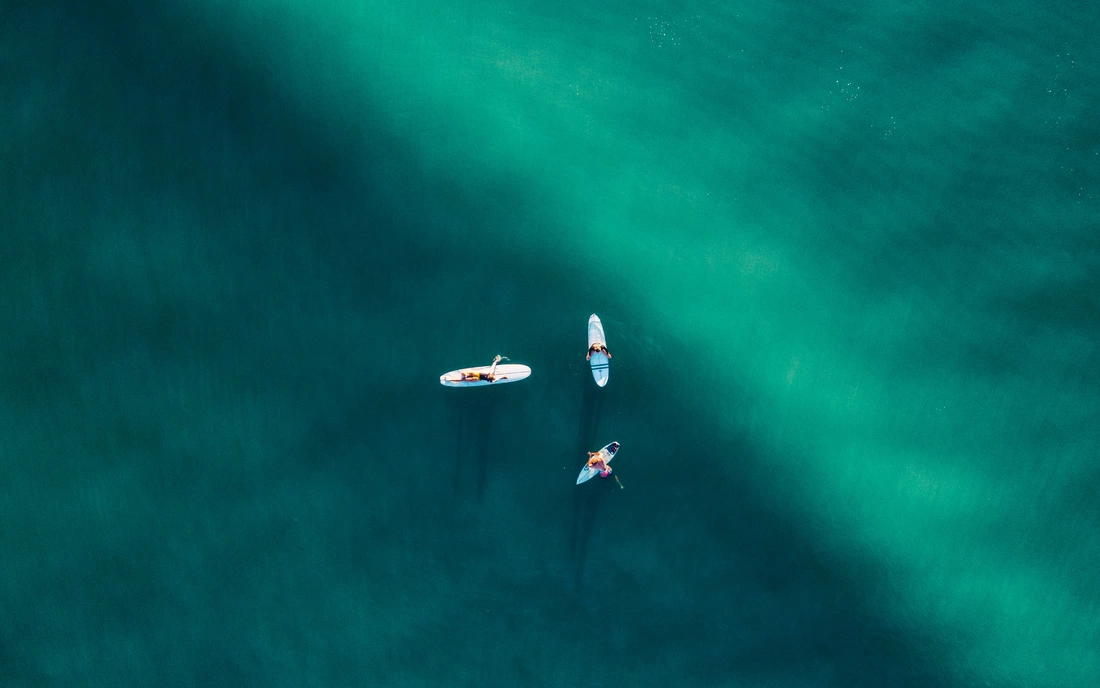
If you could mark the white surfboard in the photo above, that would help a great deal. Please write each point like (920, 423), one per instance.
(608, 453)
(599, 361)
(506, 372)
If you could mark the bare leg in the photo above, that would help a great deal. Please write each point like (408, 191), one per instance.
(492, 371)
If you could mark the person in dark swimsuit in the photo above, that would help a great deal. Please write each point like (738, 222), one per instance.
(597, 347)
(474, 376)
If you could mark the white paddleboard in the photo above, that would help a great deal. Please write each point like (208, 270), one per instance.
(608, 453)
(599, 361)
(506, 372)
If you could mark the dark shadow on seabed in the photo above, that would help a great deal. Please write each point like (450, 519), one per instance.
(591, 413)
(458, 411)
(586, 499)
(473, 411)
(173, 65)
(483, 429)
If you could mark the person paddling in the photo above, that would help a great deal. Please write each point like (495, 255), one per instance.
(596, 462)
(595, 348)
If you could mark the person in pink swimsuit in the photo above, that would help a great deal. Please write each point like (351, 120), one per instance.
(596, 462)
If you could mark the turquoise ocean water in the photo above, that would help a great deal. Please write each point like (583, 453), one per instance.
(846, 255)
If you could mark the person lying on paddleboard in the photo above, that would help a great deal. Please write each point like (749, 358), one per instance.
(596, 463)
(596, 348)
(475, 376)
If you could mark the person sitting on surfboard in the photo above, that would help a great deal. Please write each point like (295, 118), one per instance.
(596, 463)
(596, 348)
